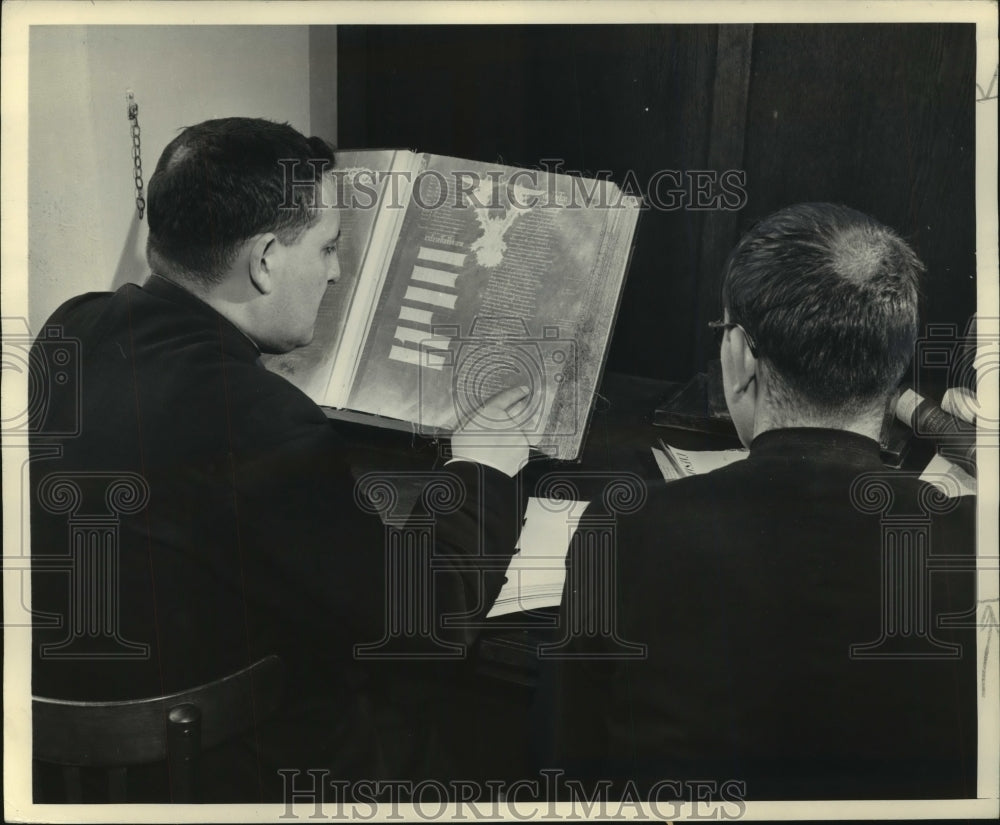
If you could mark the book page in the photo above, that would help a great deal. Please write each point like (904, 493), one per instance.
(361, 177)
(501, 277)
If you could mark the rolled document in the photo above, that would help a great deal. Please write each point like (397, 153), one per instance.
(954, 439)
(960, 402)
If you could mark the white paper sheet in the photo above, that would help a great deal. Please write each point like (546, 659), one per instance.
(537, 571)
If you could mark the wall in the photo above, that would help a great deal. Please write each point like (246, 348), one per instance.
(880, 117)
(891, 132)
(83, 233)
(323, 81)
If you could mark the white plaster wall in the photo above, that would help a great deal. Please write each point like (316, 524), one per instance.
(83, 232)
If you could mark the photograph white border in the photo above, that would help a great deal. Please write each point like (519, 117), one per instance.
(18, 16)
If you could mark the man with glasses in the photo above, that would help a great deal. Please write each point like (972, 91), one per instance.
(796, 644)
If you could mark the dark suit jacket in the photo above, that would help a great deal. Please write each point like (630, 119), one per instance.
(749, 586)
(251, 541)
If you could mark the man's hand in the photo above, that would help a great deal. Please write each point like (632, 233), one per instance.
(491, 436)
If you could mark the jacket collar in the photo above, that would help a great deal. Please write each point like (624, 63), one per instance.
(171, 291)
(817, 444)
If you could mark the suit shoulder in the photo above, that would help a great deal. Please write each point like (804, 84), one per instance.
(274, 405)
(666, 504)
(697, 486)
(77, 314)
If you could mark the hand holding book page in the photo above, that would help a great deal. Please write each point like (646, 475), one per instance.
(491, 435)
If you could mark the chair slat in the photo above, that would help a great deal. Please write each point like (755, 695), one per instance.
(117, 785)
(183, 746)
(73, 784)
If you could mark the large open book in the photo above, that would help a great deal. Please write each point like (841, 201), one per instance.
(459, 279)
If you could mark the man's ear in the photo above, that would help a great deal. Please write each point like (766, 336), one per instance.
(264, 252)
(743, 364)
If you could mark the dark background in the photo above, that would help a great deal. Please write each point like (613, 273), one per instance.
(879, 117)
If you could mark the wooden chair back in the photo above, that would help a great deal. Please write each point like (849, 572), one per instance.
(173, 728)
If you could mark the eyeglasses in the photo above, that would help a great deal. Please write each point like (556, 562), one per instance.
(720, 328)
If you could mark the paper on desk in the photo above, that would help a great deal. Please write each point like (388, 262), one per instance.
(675, 463)
(537, 571)
(669, 471)
(958, 481)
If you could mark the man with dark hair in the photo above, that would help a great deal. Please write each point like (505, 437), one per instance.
(831, 296)
(234, 528)
(223, 181)
(795, 647)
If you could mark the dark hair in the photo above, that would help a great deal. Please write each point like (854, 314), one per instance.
(830, 297)
(221, 182)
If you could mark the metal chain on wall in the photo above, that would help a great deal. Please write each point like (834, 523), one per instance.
(133, 116)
